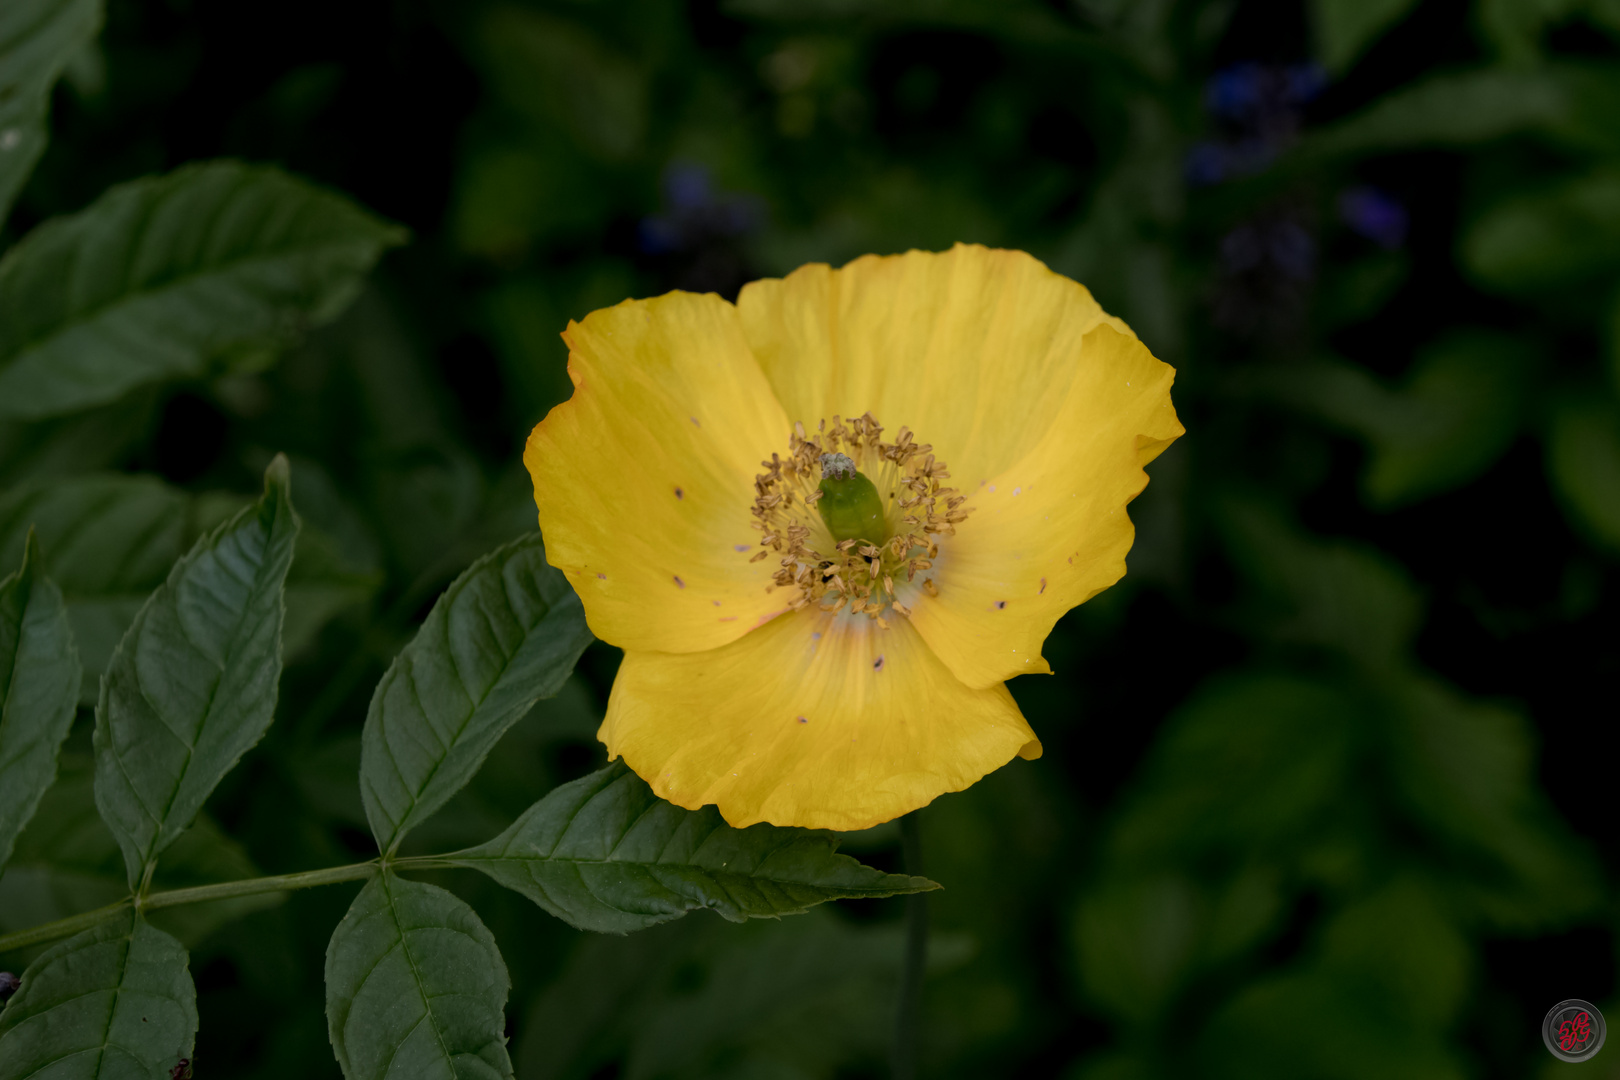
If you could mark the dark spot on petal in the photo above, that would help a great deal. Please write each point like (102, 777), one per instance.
(999, 603)
(601, 577)
(717, 603)
(1043, 584)
(877, 665)
(694, 420)
(739, 547)
(802, 720)
(679, 584)
(679, 494)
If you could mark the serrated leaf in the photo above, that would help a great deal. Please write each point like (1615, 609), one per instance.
(39, 685)
(193, 684)
(415, 987)
(604, 853)
(113, 538)
(114, 1003)
(171, 273)
(37, 40)
(505, 634)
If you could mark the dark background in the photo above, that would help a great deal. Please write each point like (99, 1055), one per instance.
(1327, 789)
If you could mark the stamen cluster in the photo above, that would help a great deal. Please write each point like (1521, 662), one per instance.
(860, 572)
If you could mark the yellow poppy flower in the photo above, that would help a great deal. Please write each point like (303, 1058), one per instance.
(827, 523)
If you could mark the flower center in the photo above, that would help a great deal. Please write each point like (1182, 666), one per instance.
(848, 513)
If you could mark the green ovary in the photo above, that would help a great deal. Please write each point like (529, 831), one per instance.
(850, 506)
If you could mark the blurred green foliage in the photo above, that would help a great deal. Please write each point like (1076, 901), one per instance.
(1324, 793)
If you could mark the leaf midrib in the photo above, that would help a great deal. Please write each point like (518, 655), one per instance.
(224, 666)
(416, 976)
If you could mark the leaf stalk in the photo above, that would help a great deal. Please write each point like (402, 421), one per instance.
(198, 894)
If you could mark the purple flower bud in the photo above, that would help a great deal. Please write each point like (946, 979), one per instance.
(8, 984)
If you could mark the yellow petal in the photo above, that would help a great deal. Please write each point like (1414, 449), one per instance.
(973, 349)
(1049, 531)
(816, 720)
(1044, 408)
(644, 478)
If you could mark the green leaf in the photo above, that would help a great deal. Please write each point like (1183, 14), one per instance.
(193, 684)
(67, 862)
(1455, 414)
(113, 539)
(1583, 463)
(84, 442)
(415, 987)
(1142, 939)
(604, 853)
(505, 634)
(1344, 28)
(1324, 593)
(1459, 109)
(1377, 997)
(1251, 764)
(37, 40)
(1458, 411)
(39, 685)
(170, 273)
(115, 1002)
(1550, 238)
(1464, 771)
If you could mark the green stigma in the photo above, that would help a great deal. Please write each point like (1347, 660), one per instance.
(849, 504)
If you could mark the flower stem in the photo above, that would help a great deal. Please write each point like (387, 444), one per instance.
(904, 1062)
(224, 890)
